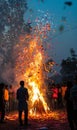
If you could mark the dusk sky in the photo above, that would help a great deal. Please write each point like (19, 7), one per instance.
(63, 18)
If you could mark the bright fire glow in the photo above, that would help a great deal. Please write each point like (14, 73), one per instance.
(30, 67)
(34, 78)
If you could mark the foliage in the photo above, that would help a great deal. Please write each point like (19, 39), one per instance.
(69, 66)
(12, 25)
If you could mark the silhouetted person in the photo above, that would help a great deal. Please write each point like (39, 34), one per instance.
(63, 90)
(11, 98)
(22, 97)
(59, 96)
(73, 97)
(6, 98)
(54, 96)
(69, 105)
(2, 103)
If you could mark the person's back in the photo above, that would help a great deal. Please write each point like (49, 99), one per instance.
(2, 103)
(22, 97)
(69, 105)
(6, 93)
(59, 96)
(54, 96)
(64, 88)
(1, 94)
(11, 98)
(6, 98)
(73, 98)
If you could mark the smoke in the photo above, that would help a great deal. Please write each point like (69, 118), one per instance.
(7, 74)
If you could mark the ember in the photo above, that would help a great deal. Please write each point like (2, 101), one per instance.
(30, 67)
(57, 115)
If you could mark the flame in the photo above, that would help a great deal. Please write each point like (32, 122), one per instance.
(34, 78)
(30, 67)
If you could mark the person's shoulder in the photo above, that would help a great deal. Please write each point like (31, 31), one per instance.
(18, 89)
(25, 89)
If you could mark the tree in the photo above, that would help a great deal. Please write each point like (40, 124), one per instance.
(12, 25)
(69, 66)
(73, 54)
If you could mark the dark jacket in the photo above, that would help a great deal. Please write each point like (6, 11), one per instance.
(22, 97)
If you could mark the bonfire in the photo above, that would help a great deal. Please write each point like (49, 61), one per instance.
(30, 66)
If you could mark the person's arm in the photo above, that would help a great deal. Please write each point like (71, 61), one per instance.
(27, 95)
(17, 95)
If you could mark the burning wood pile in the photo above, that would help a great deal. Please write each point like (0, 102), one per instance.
(30, 66)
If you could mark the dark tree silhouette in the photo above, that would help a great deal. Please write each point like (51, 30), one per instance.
(12, 25)
(69, 66)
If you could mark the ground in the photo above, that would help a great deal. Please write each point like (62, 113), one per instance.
(51, 121)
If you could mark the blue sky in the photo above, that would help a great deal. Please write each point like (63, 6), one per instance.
(61, 14)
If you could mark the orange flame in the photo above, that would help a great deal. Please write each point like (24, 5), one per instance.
(30, 63)
(34, 77)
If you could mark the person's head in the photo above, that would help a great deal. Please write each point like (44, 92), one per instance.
(22, 83)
